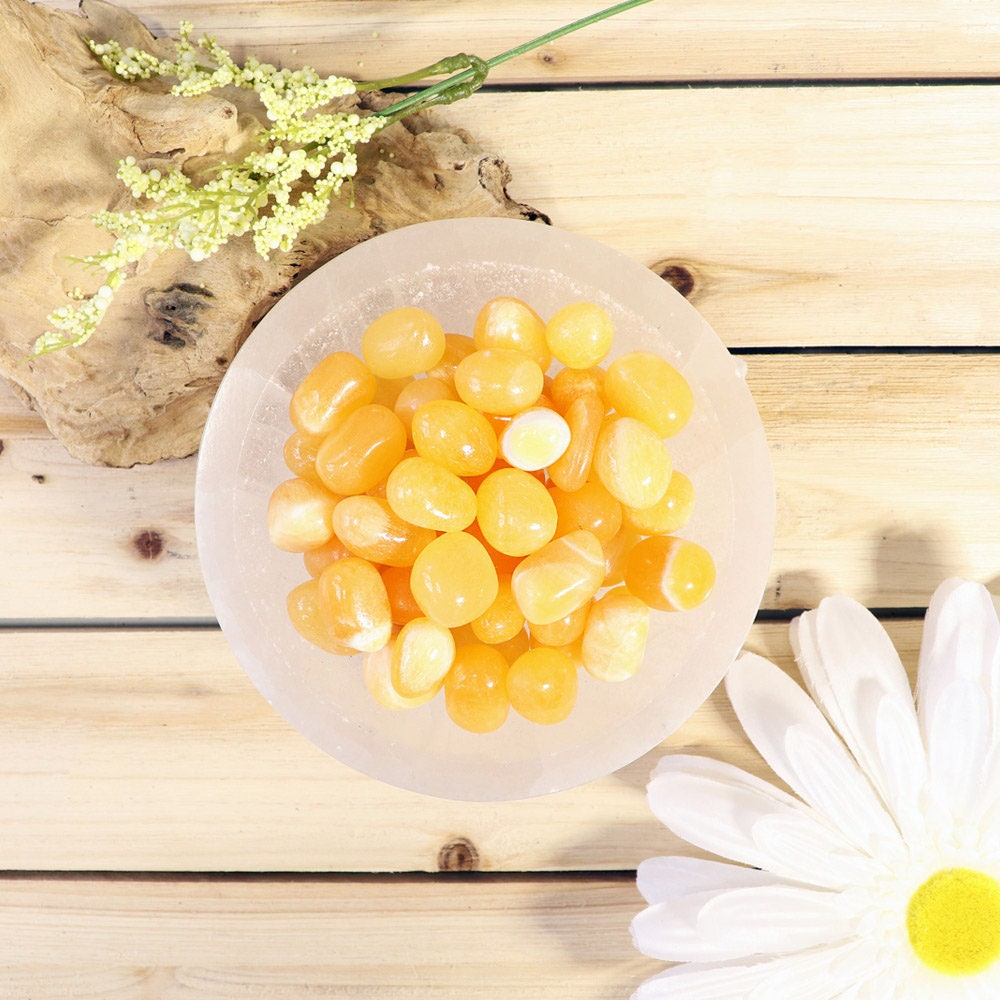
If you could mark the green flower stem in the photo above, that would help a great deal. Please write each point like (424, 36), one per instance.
(468, 80)
(450, 64)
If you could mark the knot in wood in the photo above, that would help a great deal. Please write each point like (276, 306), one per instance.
(458, 855)
(148, 544)
(176, 313)
(677, 274)
(550, 57)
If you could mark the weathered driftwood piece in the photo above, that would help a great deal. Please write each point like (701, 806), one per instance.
(140, 389)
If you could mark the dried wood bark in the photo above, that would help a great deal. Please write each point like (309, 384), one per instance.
(140, 389)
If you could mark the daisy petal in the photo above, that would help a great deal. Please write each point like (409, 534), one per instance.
(793, 736)
(731, 813)
(856, 677)
(904, 764)
(822, 974)
(961, 645)
(956, 764)
(662, 879)
(991, 818)
(961, 638)
(710, 927)
(851, 964)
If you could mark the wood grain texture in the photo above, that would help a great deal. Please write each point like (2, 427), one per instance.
(124, 537)
(152, 751)
(885, 465)
(796, 216)
(708, 40)
(382, 939)
(853, 216)
(802, 216)
(879, 493)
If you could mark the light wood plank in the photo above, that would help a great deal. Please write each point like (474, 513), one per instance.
(710, 40)
(886, 471)
(804, 216)
(82, 542)
(384, 939)
(152, 751)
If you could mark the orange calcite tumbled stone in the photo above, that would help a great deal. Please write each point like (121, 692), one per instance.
(475, 690)
(515, 512)
(502, 620)
(300, 515)
(670, 573)
(569, 384)
(614, 640)
(453, 579)
(513, 648)
(306, 615)
(509, 323)
(632, 462)
(542, 685)
(370, 528)
(643, 385)
(557, 579)
(361, 450)
(456, 347)
(534, 438)
(499, 381)
(376, 672)
(454, 435)
(317, 559)
(505, 564)
(616, 554)
(421, 657)
(564, 630)
(387, 390)
(355, 604)
(670, 513)
(336, 385)
(580, 334)
(402, 342)
(584, 417)
(417, 392)
(300, 452)
(427, 494)
(403, 606)
(591, 507)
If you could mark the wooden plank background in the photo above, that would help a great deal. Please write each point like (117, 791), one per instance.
(828, 189)
(803, 216)
(877, 497)
(151, 751)
(679, 40)
(392, 939)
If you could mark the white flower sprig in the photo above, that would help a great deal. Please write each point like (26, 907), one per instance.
(306, 157)
(201, 218)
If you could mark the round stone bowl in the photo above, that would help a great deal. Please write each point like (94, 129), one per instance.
(451, 268)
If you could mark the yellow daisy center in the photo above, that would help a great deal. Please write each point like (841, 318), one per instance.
(953, 921)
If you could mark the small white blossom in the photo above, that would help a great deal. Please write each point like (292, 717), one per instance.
(272, 194)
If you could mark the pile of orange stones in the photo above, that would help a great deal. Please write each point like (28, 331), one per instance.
(471, 523)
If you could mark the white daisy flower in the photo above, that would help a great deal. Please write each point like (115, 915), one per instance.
(880, 877)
